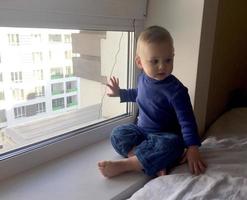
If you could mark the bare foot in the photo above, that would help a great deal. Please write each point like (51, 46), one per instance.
(161, 173)
(114, 168)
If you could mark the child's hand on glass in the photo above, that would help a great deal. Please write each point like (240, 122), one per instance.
(196, 164)
(113, 87)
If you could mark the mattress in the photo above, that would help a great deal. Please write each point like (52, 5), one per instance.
(225, 152)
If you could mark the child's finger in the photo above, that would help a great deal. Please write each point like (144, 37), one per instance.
(110, 86)
(191, 168)
(114, 78)
(202, 166)
(111, 80)
(196, 169)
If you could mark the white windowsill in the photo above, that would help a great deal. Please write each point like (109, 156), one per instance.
(74, 176)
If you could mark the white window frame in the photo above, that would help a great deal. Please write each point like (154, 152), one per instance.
(44, 151)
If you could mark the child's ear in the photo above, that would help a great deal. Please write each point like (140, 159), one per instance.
(138, 62)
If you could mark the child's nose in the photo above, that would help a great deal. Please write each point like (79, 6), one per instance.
(162, 66)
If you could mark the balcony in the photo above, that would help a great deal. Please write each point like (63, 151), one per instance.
(57, 92)
(56, 76)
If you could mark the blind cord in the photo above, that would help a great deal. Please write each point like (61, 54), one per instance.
(112, 69)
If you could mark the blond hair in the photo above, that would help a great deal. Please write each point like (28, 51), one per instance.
(154, 34)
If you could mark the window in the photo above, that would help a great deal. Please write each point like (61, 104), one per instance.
(40, 107)
(38, 74)
(91, 68)
(71, 86)
(37, 57)
(55, 38)
(1, 95)
(68, 71)
(72, 101)
(2, 117)
(18, 94)
(68, 54)
(29, 110)
(67, 38)
(39, 91)
(57, 88)
(56, 73)
(16, 77)
(20, 112)
(57, 104)
(67, 88)
(55, 95)
(13, 39)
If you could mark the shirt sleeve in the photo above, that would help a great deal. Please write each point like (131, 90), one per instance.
(128, 95)
(185, 115)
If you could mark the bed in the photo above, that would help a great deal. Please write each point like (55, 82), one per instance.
(225, 151)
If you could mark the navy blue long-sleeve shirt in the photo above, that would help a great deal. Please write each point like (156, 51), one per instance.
(164, 106)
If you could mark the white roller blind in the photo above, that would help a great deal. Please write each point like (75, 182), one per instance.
(74, 14)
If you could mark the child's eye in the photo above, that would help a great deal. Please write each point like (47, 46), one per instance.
(154, 61)
(169, 60)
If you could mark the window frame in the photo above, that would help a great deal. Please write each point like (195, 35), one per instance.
(44, 151)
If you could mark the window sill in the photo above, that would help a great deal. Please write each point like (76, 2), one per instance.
(74, 176)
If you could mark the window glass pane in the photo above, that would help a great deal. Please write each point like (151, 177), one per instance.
(53, 81)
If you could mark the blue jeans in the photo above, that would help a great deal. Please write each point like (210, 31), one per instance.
(155, 151)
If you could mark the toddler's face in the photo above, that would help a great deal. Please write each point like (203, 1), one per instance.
(156, 59)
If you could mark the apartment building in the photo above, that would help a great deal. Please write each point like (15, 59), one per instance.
(36, 74)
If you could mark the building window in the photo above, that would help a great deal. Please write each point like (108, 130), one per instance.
(20, 112)
(37, 57)
(55, 38)
(41, 107)
(56, 73)
(29, 110)
(72, 101)
(57, 104)
(2, 95)
(71, 86)
(3, 116)
(68, 71)
(38, 74)
(39, 91)
(57, 88)
(18, 94)
(67, 38)
(16, 77)
(13, 39)
(1, 77)
(68, 55)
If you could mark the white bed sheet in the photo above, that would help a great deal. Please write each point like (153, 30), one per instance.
(226, 175)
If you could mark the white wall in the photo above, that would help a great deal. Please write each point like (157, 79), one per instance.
(183, 19)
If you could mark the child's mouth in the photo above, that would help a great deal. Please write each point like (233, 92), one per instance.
(161, 74)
